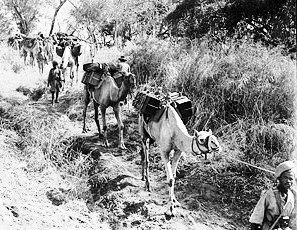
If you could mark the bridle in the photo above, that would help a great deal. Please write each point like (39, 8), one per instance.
(205, 145)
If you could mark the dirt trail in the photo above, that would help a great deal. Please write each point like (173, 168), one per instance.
(122, 193)
(118, 199)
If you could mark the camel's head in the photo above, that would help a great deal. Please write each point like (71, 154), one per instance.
(207, 142)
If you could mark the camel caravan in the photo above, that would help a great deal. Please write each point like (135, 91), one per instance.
(162, 118)
(34, 49)
(39, 49)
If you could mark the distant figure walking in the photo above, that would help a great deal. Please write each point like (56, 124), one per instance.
(41, 59)
(55, 82)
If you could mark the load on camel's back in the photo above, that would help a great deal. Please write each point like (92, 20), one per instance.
(106, 91)
(64, 40)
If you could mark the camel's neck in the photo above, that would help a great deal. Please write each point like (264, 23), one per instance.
(123, 91)
(182, 139)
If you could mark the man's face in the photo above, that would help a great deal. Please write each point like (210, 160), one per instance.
(286, 179)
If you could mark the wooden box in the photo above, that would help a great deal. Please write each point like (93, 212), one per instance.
(184, 108)
(150, 105)
(146, 103)
(92, 78)
(93, 67)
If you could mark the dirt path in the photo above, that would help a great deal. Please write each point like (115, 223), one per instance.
(117, 198)
(123, 195)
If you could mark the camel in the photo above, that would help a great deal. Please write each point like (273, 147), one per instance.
(106, 94)
(49, 49)
(171, 135)
(68, 60)
(31, 47)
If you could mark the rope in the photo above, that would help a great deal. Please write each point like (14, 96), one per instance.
(253, 166)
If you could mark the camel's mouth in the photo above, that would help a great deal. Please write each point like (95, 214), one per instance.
(215, 149)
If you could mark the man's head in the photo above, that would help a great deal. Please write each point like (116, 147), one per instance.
(285, 174)
(122, 58)
(55, 64)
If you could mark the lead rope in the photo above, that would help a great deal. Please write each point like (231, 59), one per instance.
(248, 164)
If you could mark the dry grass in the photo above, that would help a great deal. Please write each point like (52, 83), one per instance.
(244, 92)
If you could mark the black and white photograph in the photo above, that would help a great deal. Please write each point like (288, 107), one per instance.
(148, 115)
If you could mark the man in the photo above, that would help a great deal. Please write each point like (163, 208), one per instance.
(40, 60)
(276, 207)
(123, 66)
(54, 81)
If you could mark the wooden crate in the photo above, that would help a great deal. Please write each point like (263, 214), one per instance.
(92, 78)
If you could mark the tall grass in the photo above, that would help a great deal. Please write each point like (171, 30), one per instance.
(242, 90)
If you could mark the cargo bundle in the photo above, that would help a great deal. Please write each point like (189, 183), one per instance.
(93, 73)
(150, 104)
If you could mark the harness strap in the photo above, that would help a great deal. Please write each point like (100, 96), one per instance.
(198, 145)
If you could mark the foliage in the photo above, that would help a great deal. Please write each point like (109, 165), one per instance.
(241, 90)
(25, 12)
(131, 18)
(273, 22)
(6, 26)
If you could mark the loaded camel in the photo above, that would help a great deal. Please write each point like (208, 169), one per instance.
(30, 48)
(69, 60)
(109, 93)
(170, 133)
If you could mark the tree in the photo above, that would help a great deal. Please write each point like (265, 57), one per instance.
(25, 13)
(61, 3)
(6, 26)
(121, 19)
(270, 21)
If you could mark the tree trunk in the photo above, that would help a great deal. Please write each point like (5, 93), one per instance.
(116, 34)
(55, 15)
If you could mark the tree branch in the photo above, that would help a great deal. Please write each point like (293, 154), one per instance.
(62, 2)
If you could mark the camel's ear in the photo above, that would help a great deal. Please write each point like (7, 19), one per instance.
(196, 133)
(210, 131)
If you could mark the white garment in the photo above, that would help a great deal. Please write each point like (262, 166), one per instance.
(124, 67)
(267, 209)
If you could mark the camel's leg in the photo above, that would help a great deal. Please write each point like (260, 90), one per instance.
(63, 78)
(146, 146)
(76, 64)
(142, 156)
(117, 113)
(71, 73)
(103, 114)
(87, 101)
(170, 180)
(175, 160)
(97, 117)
